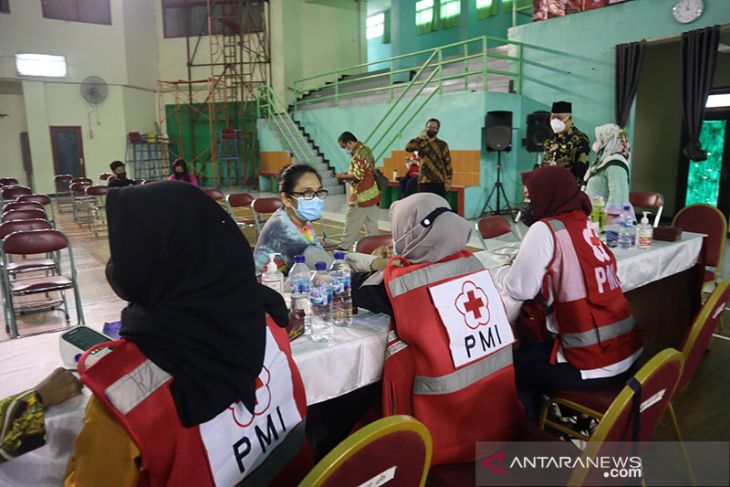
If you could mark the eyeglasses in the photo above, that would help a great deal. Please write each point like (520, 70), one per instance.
(309, 195)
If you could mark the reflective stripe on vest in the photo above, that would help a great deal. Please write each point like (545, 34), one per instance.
(434, 273)
(129, 391)
(556, 225)
(463, 378)
(597, 335)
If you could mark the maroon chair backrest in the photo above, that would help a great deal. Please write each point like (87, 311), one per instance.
(215, 194)
(63, 181)
(22, 205)
(41, 199)
(23, 226)
(8, 181)
(646, 199)
(15, 191)
(700, 333)
(34, 242)
(367, 245)
(266, 205)
(79, 188)
(240, 200)
(106, 176)
(381, 455)
(709, 220)
(493, 226)
(140, 182)
(97, 190)
(82, 180)
(13, 215)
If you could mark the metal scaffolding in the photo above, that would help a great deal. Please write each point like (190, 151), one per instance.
(226, 62)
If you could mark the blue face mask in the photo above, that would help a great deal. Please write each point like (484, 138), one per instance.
(309, 210)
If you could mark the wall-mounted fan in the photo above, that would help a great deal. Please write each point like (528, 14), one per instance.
(94, 90)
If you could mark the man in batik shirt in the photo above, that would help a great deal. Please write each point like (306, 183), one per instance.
(364, 193)
(568, 147)
(436, 171)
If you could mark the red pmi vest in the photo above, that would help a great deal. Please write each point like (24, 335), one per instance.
(474, 401)
(234, 448)
(595, 325)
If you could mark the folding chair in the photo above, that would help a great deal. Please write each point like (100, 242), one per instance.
(709, 220)
(649, 201)
(216, 194)
(12, 192)
(8, 181)
(88, 181)
(263, 208)
(492, 227)
(33, 243)
(63, 192)
(104, 177)
(241, 200)
(13, 215)
(44, 201)
(80, 201)
(22, 205)
(375, 449)
(367, 245)
(96, 208)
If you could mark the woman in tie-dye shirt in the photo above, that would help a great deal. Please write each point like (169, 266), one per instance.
(289, 231)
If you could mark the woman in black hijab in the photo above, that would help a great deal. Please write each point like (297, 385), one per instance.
(195, 311)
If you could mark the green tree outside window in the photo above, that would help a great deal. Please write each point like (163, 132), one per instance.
(703, 180)
(486, 8)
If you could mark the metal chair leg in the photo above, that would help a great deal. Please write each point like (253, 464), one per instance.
(675, 423)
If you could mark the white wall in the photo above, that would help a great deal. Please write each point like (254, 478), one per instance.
(11, 160)
(124, 54)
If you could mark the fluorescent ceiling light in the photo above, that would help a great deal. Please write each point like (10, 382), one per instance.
(716, 101)
(40, 65)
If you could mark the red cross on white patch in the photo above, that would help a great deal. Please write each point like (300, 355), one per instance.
(473, 304)
(592, 239)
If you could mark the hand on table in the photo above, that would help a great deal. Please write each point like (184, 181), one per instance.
(58, 387)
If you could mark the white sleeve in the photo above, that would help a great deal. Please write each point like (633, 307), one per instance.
(523, 279)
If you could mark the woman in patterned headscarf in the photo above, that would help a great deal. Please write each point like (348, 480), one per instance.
(608, 175)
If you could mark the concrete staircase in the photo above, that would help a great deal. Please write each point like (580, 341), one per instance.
(302, 148)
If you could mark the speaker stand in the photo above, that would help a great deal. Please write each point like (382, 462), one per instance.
(498, 190)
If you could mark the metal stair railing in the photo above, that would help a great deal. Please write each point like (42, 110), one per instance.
(271, 108)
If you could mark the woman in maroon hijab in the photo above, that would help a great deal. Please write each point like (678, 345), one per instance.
(583, 335)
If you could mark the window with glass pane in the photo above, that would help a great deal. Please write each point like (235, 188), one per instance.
(450, 13)
(424, 16)
(90, 11)
(5, 6)
(375, 25)
(520, 5)
(486, 8)
(703, 180)
(183, 18)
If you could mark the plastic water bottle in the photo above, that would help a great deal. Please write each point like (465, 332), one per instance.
(627, 232)
(299, 282)
(342, 298)
(320, 302)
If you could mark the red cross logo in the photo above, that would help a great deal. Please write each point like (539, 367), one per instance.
(473, 304)
(591, 238)
(242, 416)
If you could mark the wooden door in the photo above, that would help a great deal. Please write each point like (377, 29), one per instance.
(68, 151)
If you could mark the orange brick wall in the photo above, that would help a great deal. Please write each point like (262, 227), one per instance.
(464, 162)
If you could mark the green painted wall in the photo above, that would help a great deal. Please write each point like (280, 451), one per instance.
(405, 39)
(573, 57)
(462, 122)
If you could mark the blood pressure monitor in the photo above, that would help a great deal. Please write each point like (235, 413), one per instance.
(78, 340)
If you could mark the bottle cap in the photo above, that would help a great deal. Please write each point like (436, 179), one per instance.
(320, 266)
(271, 266)
(645, 218)
(627, 208)
(299, 259)
(339, 255)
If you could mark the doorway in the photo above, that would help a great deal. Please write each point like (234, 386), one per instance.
(68, 151)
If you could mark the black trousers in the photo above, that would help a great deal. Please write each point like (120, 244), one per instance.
(535, 375)
(436, 188)
(408, 186)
